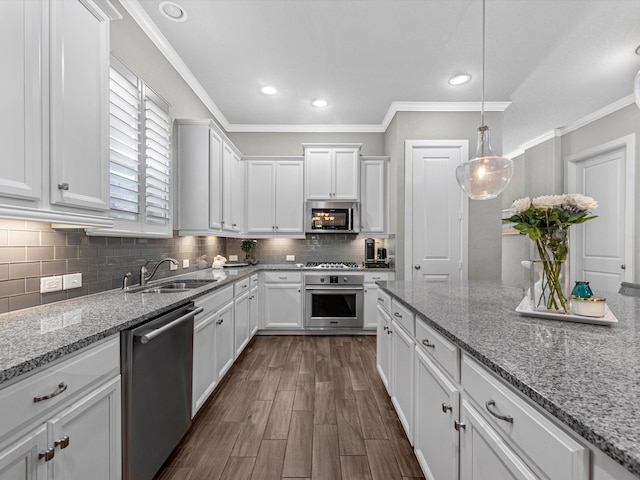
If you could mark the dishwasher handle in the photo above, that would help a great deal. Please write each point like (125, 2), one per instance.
(147, 337)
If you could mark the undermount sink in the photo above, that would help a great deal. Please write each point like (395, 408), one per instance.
(175, 286)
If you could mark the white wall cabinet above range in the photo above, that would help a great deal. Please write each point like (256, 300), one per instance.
(55, 131)
(332, 172)
(275, 196)
(374, 196)
(211, 181)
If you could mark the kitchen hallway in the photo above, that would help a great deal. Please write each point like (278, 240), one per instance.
(297, 407)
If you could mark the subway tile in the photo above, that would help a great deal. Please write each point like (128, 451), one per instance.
(53, 238)
(57, 267)
(17, 237)
(13, 254)
(66, 252)
(24, 270)
(37, 226)
(12, 224)
(32, 285)
(53, 296)
(12, 287)
(77, 265)
(88, 251)
(4, 237)
(78, 292)
(4, 305)
(39, 253)
(4, 271)
(24, 301)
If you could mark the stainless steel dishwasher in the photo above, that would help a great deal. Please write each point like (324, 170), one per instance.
(157, 361)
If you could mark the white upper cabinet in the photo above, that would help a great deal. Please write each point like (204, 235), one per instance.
(55, 133)
(211, 181)
(374, 196)
(274, 197)
(332, 172)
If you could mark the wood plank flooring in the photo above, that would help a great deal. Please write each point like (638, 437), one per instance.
(297, 407)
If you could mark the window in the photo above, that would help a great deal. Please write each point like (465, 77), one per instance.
(140, 156)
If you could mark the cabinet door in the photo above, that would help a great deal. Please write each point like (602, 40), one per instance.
(319, 174)
(483, 454)
(215, 181)
(373, 196)
(79, 67)
(21, 99)
(383, 348)
(370, 306)
(224, 340)
(261, 181)
(19, 460)
(91, 428)
(254, 313)
(205, 375)
(437, 400)
(289, 199)
(283, 305)
(345, 174)
(241, 323)
(402, 346)
(227, 187)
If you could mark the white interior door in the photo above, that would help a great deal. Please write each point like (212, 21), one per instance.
(601, 249)
(436, 215)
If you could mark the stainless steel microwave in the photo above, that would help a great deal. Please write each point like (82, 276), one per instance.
(332, 217)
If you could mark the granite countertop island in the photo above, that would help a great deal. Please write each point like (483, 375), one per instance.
(587, 376)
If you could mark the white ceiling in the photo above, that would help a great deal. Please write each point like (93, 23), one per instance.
(556, 61)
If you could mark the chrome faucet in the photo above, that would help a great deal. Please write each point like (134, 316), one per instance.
(143, 270)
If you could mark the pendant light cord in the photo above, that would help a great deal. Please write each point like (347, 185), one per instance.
(483, 48)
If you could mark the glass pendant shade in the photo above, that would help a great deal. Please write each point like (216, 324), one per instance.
(636, 88)
(487, 175)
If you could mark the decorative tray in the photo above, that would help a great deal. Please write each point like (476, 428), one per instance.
(525, 310)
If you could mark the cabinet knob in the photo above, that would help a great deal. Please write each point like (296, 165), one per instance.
(380, 300)
(63, 186)
(623, 267)
(417, 267)
(458, 425)
(389, 332)
(47, 454)
(446, 408)
(62, 442)
(234, 224)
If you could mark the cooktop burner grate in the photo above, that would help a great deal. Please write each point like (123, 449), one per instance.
(334, 265)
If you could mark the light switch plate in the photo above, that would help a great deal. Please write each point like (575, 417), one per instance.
(185, 263)
(291, 258)
(72, 280)
(233, 258)
(50, 284)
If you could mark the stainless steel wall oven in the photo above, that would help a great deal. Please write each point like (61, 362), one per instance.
(333, 300)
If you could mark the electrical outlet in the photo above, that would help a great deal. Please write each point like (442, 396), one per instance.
(233, 258)
(185, 263)
(72, 280)
(172, 266)
(50, 284)
(291, 258)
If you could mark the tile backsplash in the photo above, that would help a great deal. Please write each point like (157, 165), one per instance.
(30, 250)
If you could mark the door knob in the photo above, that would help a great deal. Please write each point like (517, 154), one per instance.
(623, 266)
(417, 267)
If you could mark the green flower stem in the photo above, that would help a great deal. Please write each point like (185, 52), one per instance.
(551, 289)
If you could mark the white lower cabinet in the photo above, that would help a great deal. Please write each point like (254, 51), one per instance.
(402, 346)
(254, 306)
(75, 433)
(282, 300)
(371, 297)
(241, 322)
(383, 347)
(436, 407)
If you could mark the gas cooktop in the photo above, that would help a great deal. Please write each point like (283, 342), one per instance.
(332, 265)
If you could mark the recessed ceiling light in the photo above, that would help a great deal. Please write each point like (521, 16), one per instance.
(173, 11)
(320, 103)
(460, 79)
(268, 90)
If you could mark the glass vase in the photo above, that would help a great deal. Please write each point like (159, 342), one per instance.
(550, 287)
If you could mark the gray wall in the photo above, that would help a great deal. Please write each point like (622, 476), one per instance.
(484, 245)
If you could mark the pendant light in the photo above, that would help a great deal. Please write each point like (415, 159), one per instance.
(486, 175)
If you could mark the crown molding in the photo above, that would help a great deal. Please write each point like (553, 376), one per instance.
(141, 17)
(311, 128)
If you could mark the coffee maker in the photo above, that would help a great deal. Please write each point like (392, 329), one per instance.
(371, 260)
(369, 250)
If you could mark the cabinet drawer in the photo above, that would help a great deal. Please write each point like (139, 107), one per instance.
(403, 316)
(76, 373)
(384, 300)
(215, 300)
(550, 449)
(372, 277)
(254, 280)
(445, 353)
(241, 287)
(283, 277)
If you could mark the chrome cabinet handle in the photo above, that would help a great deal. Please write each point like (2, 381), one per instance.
(492, 403)
(396, 314)
(446, 408)
(63, 186)
(147, 337)
(458, 425)
(62, 442)
(283, 278)
(47, 454)
(380, 300)
(61, 388)
(427, 343)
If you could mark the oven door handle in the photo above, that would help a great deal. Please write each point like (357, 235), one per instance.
(146, 338)
(332, 287)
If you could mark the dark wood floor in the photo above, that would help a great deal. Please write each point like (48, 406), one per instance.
(298, 407)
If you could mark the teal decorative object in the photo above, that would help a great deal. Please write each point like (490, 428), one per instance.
(582, 290)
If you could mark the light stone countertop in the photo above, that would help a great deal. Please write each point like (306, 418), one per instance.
(587, 376)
